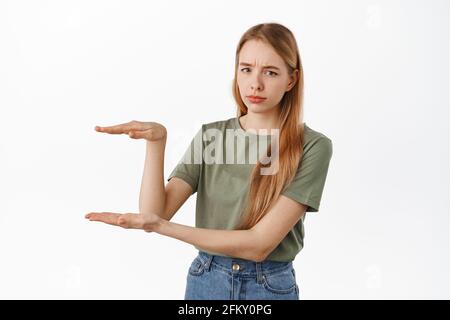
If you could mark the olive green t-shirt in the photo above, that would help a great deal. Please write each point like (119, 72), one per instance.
(218, 164)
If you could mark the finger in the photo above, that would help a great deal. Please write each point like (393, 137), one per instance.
(106, 217)
(121, 128)
(131, 221)
(141, 134)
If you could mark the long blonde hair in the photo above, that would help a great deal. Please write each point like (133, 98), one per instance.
(265, 189)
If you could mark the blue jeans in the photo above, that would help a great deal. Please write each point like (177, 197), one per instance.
(212, 277)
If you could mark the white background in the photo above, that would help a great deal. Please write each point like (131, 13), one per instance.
(376, 76)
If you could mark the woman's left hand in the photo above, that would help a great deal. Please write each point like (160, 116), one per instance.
(147, 222)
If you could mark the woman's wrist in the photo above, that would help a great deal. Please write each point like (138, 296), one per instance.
(158, 145)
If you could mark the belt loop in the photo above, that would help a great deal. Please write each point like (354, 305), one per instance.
(209, 258)
(259, 274)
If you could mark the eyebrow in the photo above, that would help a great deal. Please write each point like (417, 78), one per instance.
(250, 65)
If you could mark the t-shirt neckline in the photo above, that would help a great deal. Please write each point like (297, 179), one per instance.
(237, 125)
(245, 132)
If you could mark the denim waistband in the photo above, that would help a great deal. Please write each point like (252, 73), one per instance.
(245, 267)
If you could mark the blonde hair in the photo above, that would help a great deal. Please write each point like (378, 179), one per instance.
(265, 189)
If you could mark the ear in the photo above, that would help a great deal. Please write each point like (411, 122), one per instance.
(294, 79)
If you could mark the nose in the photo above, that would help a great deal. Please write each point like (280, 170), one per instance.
(256, 83)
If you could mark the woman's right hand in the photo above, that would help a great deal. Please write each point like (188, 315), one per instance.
(150, 131)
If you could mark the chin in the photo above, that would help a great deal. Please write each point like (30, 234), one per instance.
(257, 108)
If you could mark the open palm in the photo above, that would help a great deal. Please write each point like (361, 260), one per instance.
(147, 222)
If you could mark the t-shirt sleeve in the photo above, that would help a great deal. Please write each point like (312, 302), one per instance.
(188, 168)
(309, 180)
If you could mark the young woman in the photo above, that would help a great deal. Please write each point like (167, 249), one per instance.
(249, 216)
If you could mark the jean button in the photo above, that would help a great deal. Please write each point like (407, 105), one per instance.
(236, 267)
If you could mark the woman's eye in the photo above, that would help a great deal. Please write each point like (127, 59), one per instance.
(271, 72)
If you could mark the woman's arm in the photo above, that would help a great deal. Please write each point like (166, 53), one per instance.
(235, 243)
(152, 195)
(254, 244)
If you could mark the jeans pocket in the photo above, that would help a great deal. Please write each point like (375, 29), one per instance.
(197, 267)
(282, 282)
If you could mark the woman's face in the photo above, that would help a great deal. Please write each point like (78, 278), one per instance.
(262, 72)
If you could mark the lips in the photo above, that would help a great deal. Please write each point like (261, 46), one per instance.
(256, 99)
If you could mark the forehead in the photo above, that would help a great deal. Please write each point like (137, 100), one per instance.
(259, 52)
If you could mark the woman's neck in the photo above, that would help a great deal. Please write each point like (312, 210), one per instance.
(258, 121)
